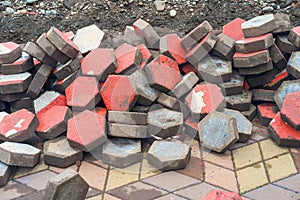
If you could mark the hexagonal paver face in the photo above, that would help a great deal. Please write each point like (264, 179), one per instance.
(293, 65)
(283, 134)
(59, 153)
(215, 70)
(239, 102)
(9, 52)
(164, 123)
(83, 123)
(128, 59)
(83, 93)
(259, 25)
(53, 122)
(205, 98)
(14, 83)
(118, 93)
(234, 86)
(159, 70)
(266, 112)
(167, 155)
(286, 87)
(253, 44)
(22, 64)
(143, 28)
(99, 63)
(234, 29)
(145, 54)
(170, 45)
(244, 126)
(121, 153)
(185, 85)
(246, 60)
(294, 36)
(18, 126)
(218, 131)
(291, 109)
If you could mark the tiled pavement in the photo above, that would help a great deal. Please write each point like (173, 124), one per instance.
(257, 170)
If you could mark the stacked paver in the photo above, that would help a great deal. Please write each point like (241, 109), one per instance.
(141, 95)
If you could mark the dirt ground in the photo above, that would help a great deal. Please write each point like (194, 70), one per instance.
(115, 15)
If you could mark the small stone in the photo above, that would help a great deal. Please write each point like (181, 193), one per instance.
(160, 5)
(173, 13)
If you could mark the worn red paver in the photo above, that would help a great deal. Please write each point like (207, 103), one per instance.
(246, 60)
(266, 112)
(290, 110)
(145, 54)
(253, 44)
(294, 36)
(9, 52)
(234, 29)
(22, 64)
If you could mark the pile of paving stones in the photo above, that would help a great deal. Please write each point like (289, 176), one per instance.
(140, 95)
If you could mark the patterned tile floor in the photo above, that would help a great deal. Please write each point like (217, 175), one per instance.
(257, 170)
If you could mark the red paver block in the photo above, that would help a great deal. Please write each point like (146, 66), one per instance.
(234, 29)
(18, 126)
(14, 83)
(62, 42)
(222, 195)
(277, 79)
(282, 133)
(159, 70)
(285, 88)
(246, 60)
(285, 45)
(205, 98)
(294, 36)
(83, 93)
(69, 34)
(266, 112)
(191, 128)
(283, 23)
(47, 100)
(224, 47)
(293, 66)
(118, 93)
(53, 122)
(259, 69)
(50, 49)
(170, 45)
(146, 55)
(23, 64)
(193, 37)
(35, 51)
(142, 28)
(259, 25)
(277, 57)
(61, 85)
(9, 52)
(187, 68)
(87, 130)
(253, 44)
(291, 109)
(197, 53)
(128, 59)
(64, 70)
(99, 63)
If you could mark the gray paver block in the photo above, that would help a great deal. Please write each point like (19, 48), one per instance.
(253, 44)
(293, 66)
(187, 83)
(285, 88)
(259, 25)
(64, 70)
(167, 155)
(61, 85)
(142, 28)
(294, 36)
(12, 97)
(277, 57)
(240, 102)
(121, 153)
(285, 45)
(224, 47)
(251, 113)
(22, 64)
(261, 79)
(25, 102)
(18, 154)
(127, 130)
(242, 60)
(9, 52)
(59, 153)
(263, 95)
(234, 86)
(215, 70)
(244, 126)
(88, 38)
(5, 172)
(121, 117)
(168, 101)
(218, 131)
(164, 123)
(14, 83)
(259, 69)
(283, 23)
(62, 186)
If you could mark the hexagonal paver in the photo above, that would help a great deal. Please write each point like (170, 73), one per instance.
(253, 44)
(290, 110)
(127, 130)
(159, 70)
(224, 48)
(142, 28)
(59, 153)
(99, 63)
(121, 153)
(188, 81)
(167, 155)
(22, 64)
(61, 85)
(145, 54)
(285, 88)
(244, 126)
(14, 83)
(128, 59)
(282, 22)
(259, 25)
(215, 70)
(170, 45)
(164, 123)
(283, 134)
(293, 65)
(234, 29)
(251, 113)
(240, 102)
(18, 126)
(262, 95)
(11, 152)
(88, 38)
(118, 93)
(205, 98)
(259, 69)
(266, 112)
(64, 70)
(9, 52)
(53, 122)
(83, 123)
(234, 86)
(5, 172)
(285, 45)
(277, 57)
(246, 60)
(83, 93)
(62, 186)
(218, 131)
(294, 36)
